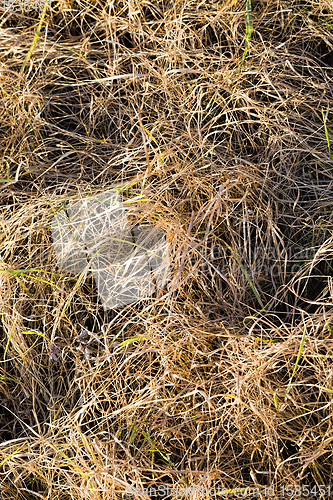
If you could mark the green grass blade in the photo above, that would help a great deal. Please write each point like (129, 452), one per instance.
(34, 41)
(248, 19)
(255, 291)
(326, 134)
(13, 379)
(297, 360)
(8, 341)
(12, 454)
(276, 402)
(133, 432)
(163, 455)
(248, 27)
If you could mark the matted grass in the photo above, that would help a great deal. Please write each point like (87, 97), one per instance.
(215, 121)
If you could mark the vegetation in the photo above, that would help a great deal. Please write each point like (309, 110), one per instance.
(215, 121)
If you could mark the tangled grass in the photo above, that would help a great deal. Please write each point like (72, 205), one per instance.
(221, 125)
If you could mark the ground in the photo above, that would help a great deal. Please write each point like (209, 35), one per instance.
(214, 121)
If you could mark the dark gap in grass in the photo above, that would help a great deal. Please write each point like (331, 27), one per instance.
(152, 12)
(125, 39)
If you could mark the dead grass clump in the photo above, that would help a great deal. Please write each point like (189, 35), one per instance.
(218, 129)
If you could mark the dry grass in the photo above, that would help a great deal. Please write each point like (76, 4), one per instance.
(225, 378)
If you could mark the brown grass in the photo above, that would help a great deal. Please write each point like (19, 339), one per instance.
(223, 380)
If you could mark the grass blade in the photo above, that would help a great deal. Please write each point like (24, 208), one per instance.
(34, 41)
(248, 27)
(255, 291)
(12, 454)
(326, 134)
(297, 360)
(163, 455)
